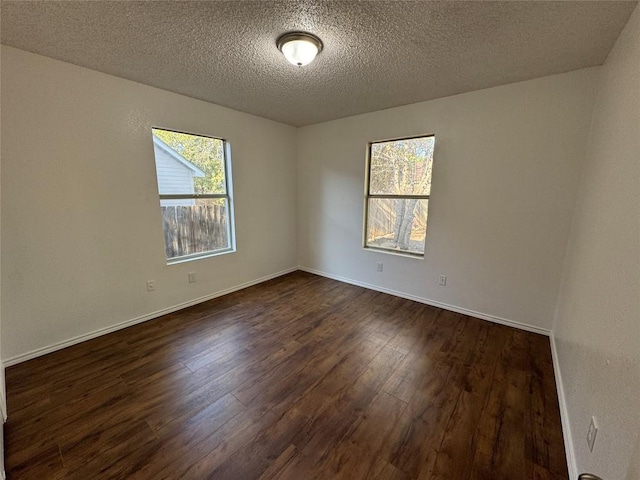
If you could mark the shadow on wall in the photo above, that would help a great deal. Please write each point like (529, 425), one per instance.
(634, 468)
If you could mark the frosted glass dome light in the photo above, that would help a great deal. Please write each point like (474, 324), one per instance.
(299, 48)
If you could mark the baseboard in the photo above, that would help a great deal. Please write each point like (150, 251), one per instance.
(3, 399)
(134, 321)
(564, 413)
(128, 323)
(3, 419)
(433, 303)
(3, 406)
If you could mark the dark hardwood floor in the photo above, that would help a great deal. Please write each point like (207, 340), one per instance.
(297, 378)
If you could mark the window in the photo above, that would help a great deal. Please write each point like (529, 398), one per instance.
(397, 194)
(194, 185)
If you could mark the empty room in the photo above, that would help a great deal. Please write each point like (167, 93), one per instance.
(291, 240)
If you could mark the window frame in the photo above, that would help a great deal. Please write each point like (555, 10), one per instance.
(226, 162)
(368, 195)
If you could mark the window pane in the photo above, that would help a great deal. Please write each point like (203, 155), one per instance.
(401, 167)
(397, 224)
(195, 226)
(188, 164)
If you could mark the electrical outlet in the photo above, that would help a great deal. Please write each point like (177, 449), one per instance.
(379, 267)
(442, 281)
(151, 285)
(192, 277)
(591, 433)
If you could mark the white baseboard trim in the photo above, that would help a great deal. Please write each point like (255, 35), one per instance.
(3, 407)
(3, 398)
(3, 419)
(564, 413)
(433, 303)
(128, 323)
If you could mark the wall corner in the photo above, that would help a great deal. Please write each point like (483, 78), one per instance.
(564, 412)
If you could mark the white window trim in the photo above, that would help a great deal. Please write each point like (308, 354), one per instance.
(368, 195)
(229, 196)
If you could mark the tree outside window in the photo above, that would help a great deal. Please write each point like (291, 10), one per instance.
(398, 190)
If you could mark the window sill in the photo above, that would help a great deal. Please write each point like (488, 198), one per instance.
(200, 256)
(398, 253)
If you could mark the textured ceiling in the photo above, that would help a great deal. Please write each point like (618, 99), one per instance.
(376, 54)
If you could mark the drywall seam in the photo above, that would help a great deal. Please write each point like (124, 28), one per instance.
(564, 413)
(433, 303)
(134, 321)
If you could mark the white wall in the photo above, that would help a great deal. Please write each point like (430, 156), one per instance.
(503, 188)
(597, 327)
(82, 230)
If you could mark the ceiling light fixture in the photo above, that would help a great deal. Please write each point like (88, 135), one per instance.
(299, 48)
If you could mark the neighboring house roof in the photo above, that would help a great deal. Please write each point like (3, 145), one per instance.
(179, 158)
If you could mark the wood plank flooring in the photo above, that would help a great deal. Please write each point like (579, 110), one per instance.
(297, 378)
